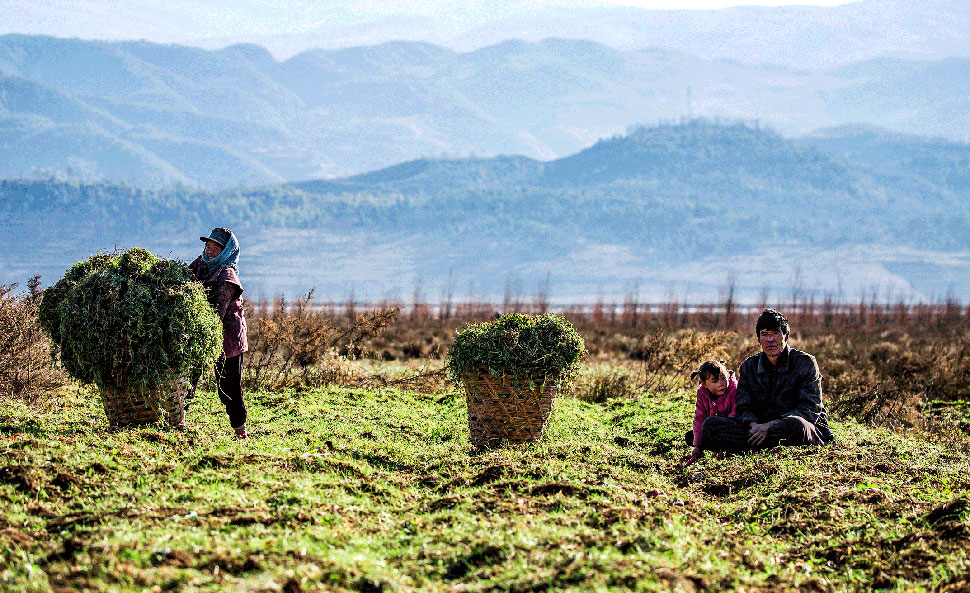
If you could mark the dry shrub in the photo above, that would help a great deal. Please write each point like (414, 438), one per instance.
(879, 406)
(427, 380)
(890, 377)
(599, 386)
(426, 339)
(679, 351)
(299, 345)
(27, 370)
(331, 369)
(668, 357)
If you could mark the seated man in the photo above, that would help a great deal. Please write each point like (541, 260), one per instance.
(779, 398)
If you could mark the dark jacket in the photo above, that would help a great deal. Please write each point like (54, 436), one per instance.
(792, 388)
(224, 292)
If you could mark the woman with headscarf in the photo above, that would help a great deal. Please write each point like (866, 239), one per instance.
(216, 269)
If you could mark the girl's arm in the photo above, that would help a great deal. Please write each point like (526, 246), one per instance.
(700, 415)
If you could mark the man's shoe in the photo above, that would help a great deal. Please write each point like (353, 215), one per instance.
(241, 433)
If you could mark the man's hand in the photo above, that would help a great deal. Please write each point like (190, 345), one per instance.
(759, 432)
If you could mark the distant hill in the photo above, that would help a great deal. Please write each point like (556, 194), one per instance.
(161, 115)
(801, 37)
(673, 206)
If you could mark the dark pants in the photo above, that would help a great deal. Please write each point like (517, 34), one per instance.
(229, 378)
(731, 434)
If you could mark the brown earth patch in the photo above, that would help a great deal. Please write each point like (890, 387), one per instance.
(479, 556)
(17, 536)
(177, 558)
(615, 515)
(20, 478)
(213, 462)
(731, 487)
(260, 518)
(564, 488)
(488, 475)
(681, 582)
(99, 468)
(445, 502)
(65, 481)
(952, 510)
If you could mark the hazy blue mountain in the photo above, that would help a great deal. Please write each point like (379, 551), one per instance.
(670, 205)
(157, 115)
(906, 161)
(322, 112)
(796, 36)
(924, 98)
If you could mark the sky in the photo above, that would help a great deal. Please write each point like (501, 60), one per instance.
(716, 4)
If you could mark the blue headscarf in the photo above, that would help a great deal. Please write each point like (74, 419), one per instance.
(227, 258)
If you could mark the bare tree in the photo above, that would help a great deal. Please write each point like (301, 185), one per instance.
(417, 297)
(448, 294)
(728, 296)
(631, 303)
(540, 301)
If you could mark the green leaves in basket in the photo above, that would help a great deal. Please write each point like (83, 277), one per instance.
(129, 320)
(531, 348)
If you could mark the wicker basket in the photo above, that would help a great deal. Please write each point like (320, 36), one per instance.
(140, 407)
(506, 408)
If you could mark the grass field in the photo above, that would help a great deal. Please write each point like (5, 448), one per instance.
(378, 490)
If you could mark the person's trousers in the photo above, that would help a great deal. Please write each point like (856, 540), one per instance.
(731, 434)
(229, 379)
(229, 375)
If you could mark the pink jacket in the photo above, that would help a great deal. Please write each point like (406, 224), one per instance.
(708, 405)
(224, 291)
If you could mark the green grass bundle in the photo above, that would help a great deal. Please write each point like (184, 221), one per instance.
(129, 321)
(528, 347)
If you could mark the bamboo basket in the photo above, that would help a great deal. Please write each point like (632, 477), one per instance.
(125, 407)
(506, 408)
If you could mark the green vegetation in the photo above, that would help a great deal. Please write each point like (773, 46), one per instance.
(528, 347)
(130, 321)
(378, 490)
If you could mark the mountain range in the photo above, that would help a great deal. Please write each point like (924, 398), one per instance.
(668, 211)
(166, 115)
(800, 37)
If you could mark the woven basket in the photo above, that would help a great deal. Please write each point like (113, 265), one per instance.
(506, 408)
(140, 407)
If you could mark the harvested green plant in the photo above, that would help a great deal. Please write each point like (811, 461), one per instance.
(129, 321)
(527, 347)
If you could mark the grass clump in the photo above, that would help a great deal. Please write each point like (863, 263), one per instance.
(525, 346)
(129, 321)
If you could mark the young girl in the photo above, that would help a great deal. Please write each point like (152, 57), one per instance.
(216, 270)
(716, 396)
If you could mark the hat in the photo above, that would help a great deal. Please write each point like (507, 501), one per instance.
(218, 235)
